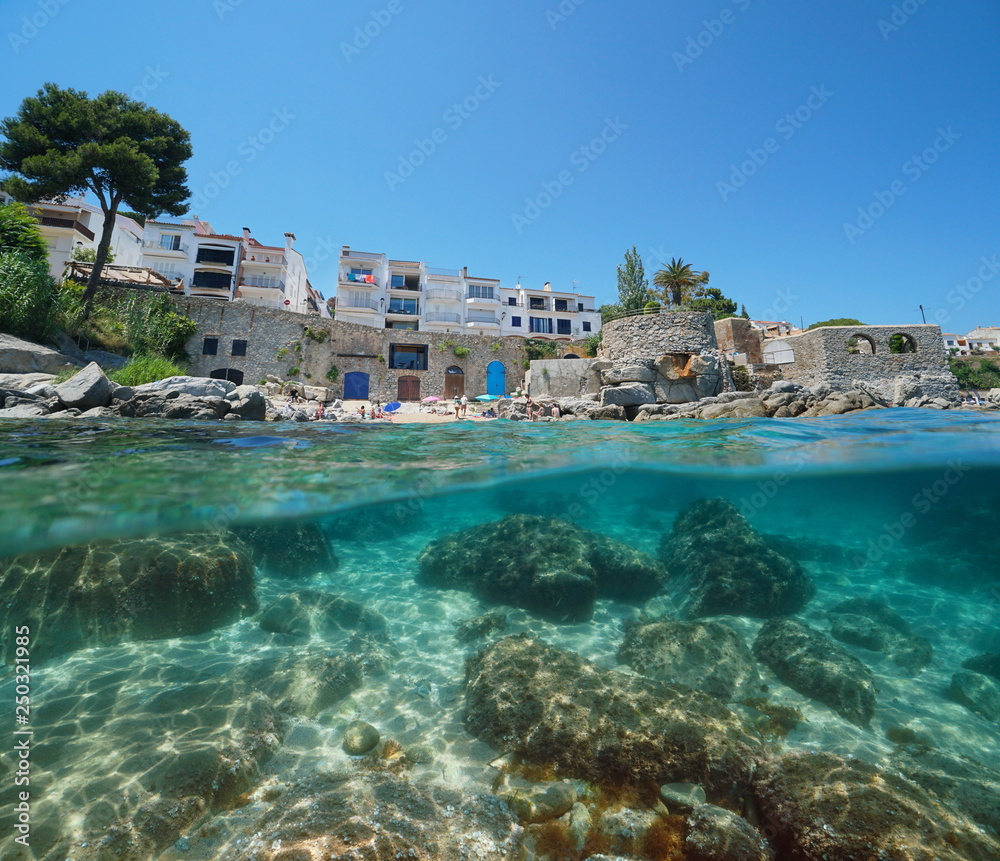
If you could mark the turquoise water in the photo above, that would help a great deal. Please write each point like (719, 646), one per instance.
(898, 505)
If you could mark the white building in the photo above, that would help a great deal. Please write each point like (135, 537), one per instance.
(982, 339)
(376, 290)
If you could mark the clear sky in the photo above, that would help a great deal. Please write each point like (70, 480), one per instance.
(818, 159)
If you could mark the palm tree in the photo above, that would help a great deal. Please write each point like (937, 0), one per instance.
(679, 282)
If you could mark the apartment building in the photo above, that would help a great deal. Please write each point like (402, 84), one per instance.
(376, 290)
(982, 339)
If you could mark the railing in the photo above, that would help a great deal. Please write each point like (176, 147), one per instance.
(360, 255)
(416, 289)
(472, 298)
(442, 317)
(68, 223)
(541, 306)
(451, 273)
(265, 281)
(373, 283)
(357, 303)
(155, 246)
(275, 258)
(408, 310)
(482, 318)
(444, 293)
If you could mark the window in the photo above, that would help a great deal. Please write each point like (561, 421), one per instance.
(412, 357)
(512, 300)
(540, 325)
(480, 291)
(405, 282)
(579, 306)
(212, 280)
(586, 325)
(239, 348)
(170, 241)
(398, 325)
(561, 305)
(359, 299)
(210, 347)
(215, 255)
(361, 275)
(563, 327)
(536, 304)
(404, 306)
(515, 322)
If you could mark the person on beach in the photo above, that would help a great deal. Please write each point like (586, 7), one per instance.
(293, 396)
(529, 410)
(361, 411)
(458, 407)
(556, 412)
(465, 406)
(320, 412)
(288, 410)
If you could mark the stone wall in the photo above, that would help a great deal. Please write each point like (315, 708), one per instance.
(843, 357)
(278, 344)
(565, 378)
(648, 336)
(736, 335)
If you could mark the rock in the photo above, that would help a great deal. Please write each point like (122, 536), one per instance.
(818, 805)
(378, 817)
(728, 568)
(989, 664)
(107, 361)
(292, 549)
(627, 395)
(715, 834)
(707, 656)
(978, 693)
(815, 666)
(316, 393)
(549, 567)
(197, 387)
(24, 411)
(783, 386)
(420, 754)
(480, 626)
(307, 613)
(872, 625)
(97, 413)
(360, 738)
(86, 389)
(552, 707)
(23, 382)
(251, 406)
(628, 374)
(682, 797)
(745, 408)
(24, 357)
(551, 802)
(43, 391)
(171, 405)
(121, 393)
(132, 589)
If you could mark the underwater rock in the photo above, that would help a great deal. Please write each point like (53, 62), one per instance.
(872, 625)
(380, 817)
(553, 707)
(708, 656)
(959, 782)
(977, 693)
(360, 737)
(291, 550)
(716, 834)
(682, 797)
(812, 664)
(542, 803)
(818, 805)
(480, 626)
(549, 567)
(420, 754)
(132, 589)
(988, 665)
(309, 612)
(728, 568)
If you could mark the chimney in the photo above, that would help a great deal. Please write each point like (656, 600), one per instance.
(547, 286)
(345, 250)
(289, 241)
(246, 235)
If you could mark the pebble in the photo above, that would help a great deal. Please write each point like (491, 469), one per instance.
(360, 737)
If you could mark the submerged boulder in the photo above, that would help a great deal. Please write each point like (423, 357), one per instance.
(549, 567)
(308, 612)
(872, 625)
(988, 664)
(978, 693)
(708, 656)
(292, 550)
(818, 805)
(716, 834)
(552, 707)
(728, 568)
(817, 667)
(132, 589)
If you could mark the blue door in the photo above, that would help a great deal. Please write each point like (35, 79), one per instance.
(496, 379)
(356, 386)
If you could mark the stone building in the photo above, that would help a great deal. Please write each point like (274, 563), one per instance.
(740, 340)
(245, 343)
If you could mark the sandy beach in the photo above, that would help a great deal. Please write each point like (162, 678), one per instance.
(408, 413)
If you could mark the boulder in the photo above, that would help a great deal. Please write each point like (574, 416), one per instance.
(817, 805)
(249, 405)
(97, 413)
(627, 374)
(554, 708)
(25, 411)
(198, 387)
(23, 382)
(24, 357)
(872, 625)
(307, 613)
(708, 656)
(743, 408)
(171, 405)
(86, 389)
(989, 664)
(978, 693)
(716, 834)
(817, 667)
(728, 568)
(360, 738)
(627, 395)
(549, 567)
(132, 589)
(293, 550)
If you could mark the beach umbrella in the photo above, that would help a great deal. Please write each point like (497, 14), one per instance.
(430, 400)
(488, 398)
(391, 408)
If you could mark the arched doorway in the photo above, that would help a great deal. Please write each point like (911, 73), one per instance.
(408, 389)
(356, 386)
(230, 374)
(860, 345)
(454, 382)
(496, 379)
(571, 356)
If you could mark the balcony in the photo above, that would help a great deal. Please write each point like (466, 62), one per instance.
(356, 280)
(265, 258)
(153, 247)
(66, 223)
(410, 285)
(444, 294)
(482, 320)
(360, 255)
(488, 301)
(266, 282)
(442, 317)
(357, 305)
(537, 305)
(410, 309)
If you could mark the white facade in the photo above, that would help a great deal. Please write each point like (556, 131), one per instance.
(984, 339)
(376, 290)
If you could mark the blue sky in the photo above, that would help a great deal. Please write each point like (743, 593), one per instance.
(820, 160)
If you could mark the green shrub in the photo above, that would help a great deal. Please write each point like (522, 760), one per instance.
(317, 335)
(144, 369)
(19, 233)
(593, 344)
(462, 352)
(495, 346)
(535, 349)
(741, 378)
(446, 344)
(293, 372)
(333, 373)
(28, 298)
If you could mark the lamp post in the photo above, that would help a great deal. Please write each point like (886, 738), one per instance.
(922, 314)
